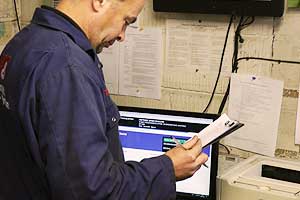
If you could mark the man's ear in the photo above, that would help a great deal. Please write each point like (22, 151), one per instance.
(98, 4)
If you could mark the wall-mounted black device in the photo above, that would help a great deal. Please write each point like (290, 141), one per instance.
(273, 8)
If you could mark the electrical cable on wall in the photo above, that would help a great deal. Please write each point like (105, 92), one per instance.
(221, 63)
(225, 147)
(222, 105)
(17, 15)
(269, 60)
(237, 39)
(243, 23)
(236, 60)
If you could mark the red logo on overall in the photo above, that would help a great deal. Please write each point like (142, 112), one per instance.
(4, 59)
(106, 92)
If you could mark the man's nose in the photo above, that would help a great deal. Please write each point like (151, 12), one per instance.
(121, 36)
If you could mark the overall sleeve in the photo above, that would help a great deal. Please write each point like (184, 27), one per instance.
(74, 146)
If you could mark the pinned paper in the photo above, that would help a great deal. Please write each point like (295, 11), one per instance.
(256, 102)
(297, 134)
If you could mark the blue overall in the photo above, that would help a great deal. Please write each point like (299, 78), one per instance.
(53, 83)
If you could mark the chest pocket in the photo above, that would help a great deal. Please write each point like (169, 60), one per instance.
(112, 130)
(112, 113)
(113, 116)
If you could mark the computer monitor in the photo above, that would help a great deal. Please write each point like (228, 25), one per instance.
(148, 133)
(274, 8)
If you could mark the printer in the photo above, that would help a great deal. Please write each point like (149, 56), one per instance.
(260, 178)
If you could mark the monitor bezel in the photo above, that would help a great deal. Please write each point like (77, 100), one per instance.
(274, 8)
(214, 151)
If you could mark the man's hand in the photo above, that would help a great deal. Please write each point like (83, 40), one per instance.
(187, 159)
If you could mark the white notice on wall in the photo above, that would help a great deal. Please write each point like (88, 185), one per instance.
(297, 134)
(194, 44)
(141, 63)
(110, 61)
(256, 102)
(7, 10)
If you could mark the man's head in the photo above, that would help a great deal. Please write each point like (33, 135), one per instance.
(103, 21)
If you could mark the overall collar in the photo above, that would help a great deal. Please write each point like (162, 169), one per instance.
(55, 19)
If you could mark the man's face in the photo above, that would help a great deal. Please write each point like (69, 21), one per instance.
(115, 21)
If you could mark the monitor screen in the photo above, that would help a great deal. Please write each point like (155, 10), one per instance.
(147, 133)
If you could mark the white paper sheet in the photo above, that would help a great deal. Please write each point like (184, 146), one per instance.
(216, 129)
(192, 45)
(110, 61)
(297, 134)
(141, 63)
(256, 102)
(7, 10)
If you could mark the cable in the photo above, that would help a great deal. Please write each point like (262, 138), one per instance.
(236, 60)
(6, 21)
(222, 105)
(270, 60)
(17, 16)
(245, 24)
(237, 39)
(221, 63)
(225, 147)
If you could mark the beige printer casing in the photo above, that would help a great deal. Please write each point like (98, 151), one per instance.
(244, 181)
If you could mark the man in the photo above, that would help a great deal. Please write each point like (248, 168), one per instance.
(53, 84)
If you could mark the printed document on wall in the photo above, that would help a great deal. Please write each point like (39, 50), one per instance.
(297, 134)
(197, 45)
(141, 63)
(7, 10)
(256, 102)
(109, 58)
